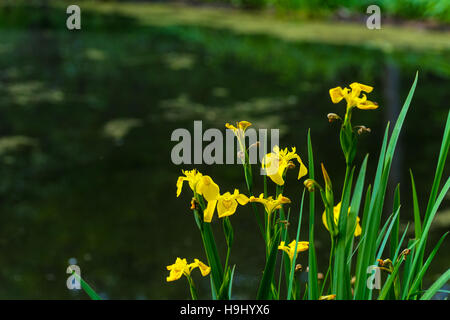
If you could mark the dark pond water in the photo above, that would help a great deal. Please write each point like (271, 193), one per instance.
(85, 125)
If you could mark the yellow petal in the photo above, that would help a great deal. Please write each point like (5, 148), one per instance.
(208, 188)
(176, 270)
(367, 105)
(226, 207)
(337, 94)
(337, 212)
(277, 178)
(209, 211)
(242, 199)
(324, 220)
(301, 246)
(358, 229)
(285, 249)
(271, 163)
(361, 87)
(243, 125)
(180, 185)
(303, 170)
(204, 269)
(231, 127)
(174, 275)
(281, 199)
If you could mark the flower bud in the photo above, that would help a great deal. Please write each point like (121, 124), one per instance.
(310, 184)
(333, 117)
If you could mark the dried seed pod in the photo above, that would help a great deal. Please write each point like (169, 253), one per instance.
(363, 129)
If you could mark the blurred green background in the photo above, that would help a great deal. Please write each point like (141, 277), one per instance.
(86, 119)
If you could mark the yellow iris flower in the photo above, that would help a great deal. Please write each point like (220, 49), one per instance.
(239, 132)
(240, 126)
(181, 267)
(336, 213)
(202, 185)
(191, 176)
(352, 96)
(269, 203)
(290, 248)
(199, 183)
(276, 163)
(226, 204)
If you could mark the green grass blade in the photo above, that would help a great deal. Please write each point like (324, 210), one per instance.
(443, 279)
(313, 286)
(392, 278)
(341, 272)
(368, 249)
(390, 281)
(213, 257)
(354, 210)
(362, 259)
(418, 279)
(417, 222)
(425, 230)
(386, 236)
(440, 168)
(264, 290)
(365, 211)
(397, 250)
(356, 200)
(407, 270)
(230, 286)
(291, 273)
(383, 230)
(399, 123)
(436, 182)
(87, 288)
(285, 264)
(394, 234)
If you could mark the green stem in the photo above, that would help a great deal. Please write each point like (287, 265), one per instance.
(192, 288)
(227, 258)
(329, 267)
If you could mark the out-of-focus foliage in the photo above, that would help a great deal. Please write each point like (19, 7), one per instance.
(409, 9)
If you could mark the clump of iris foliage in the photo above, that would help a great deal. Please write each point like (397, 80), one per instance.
(352, 214)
